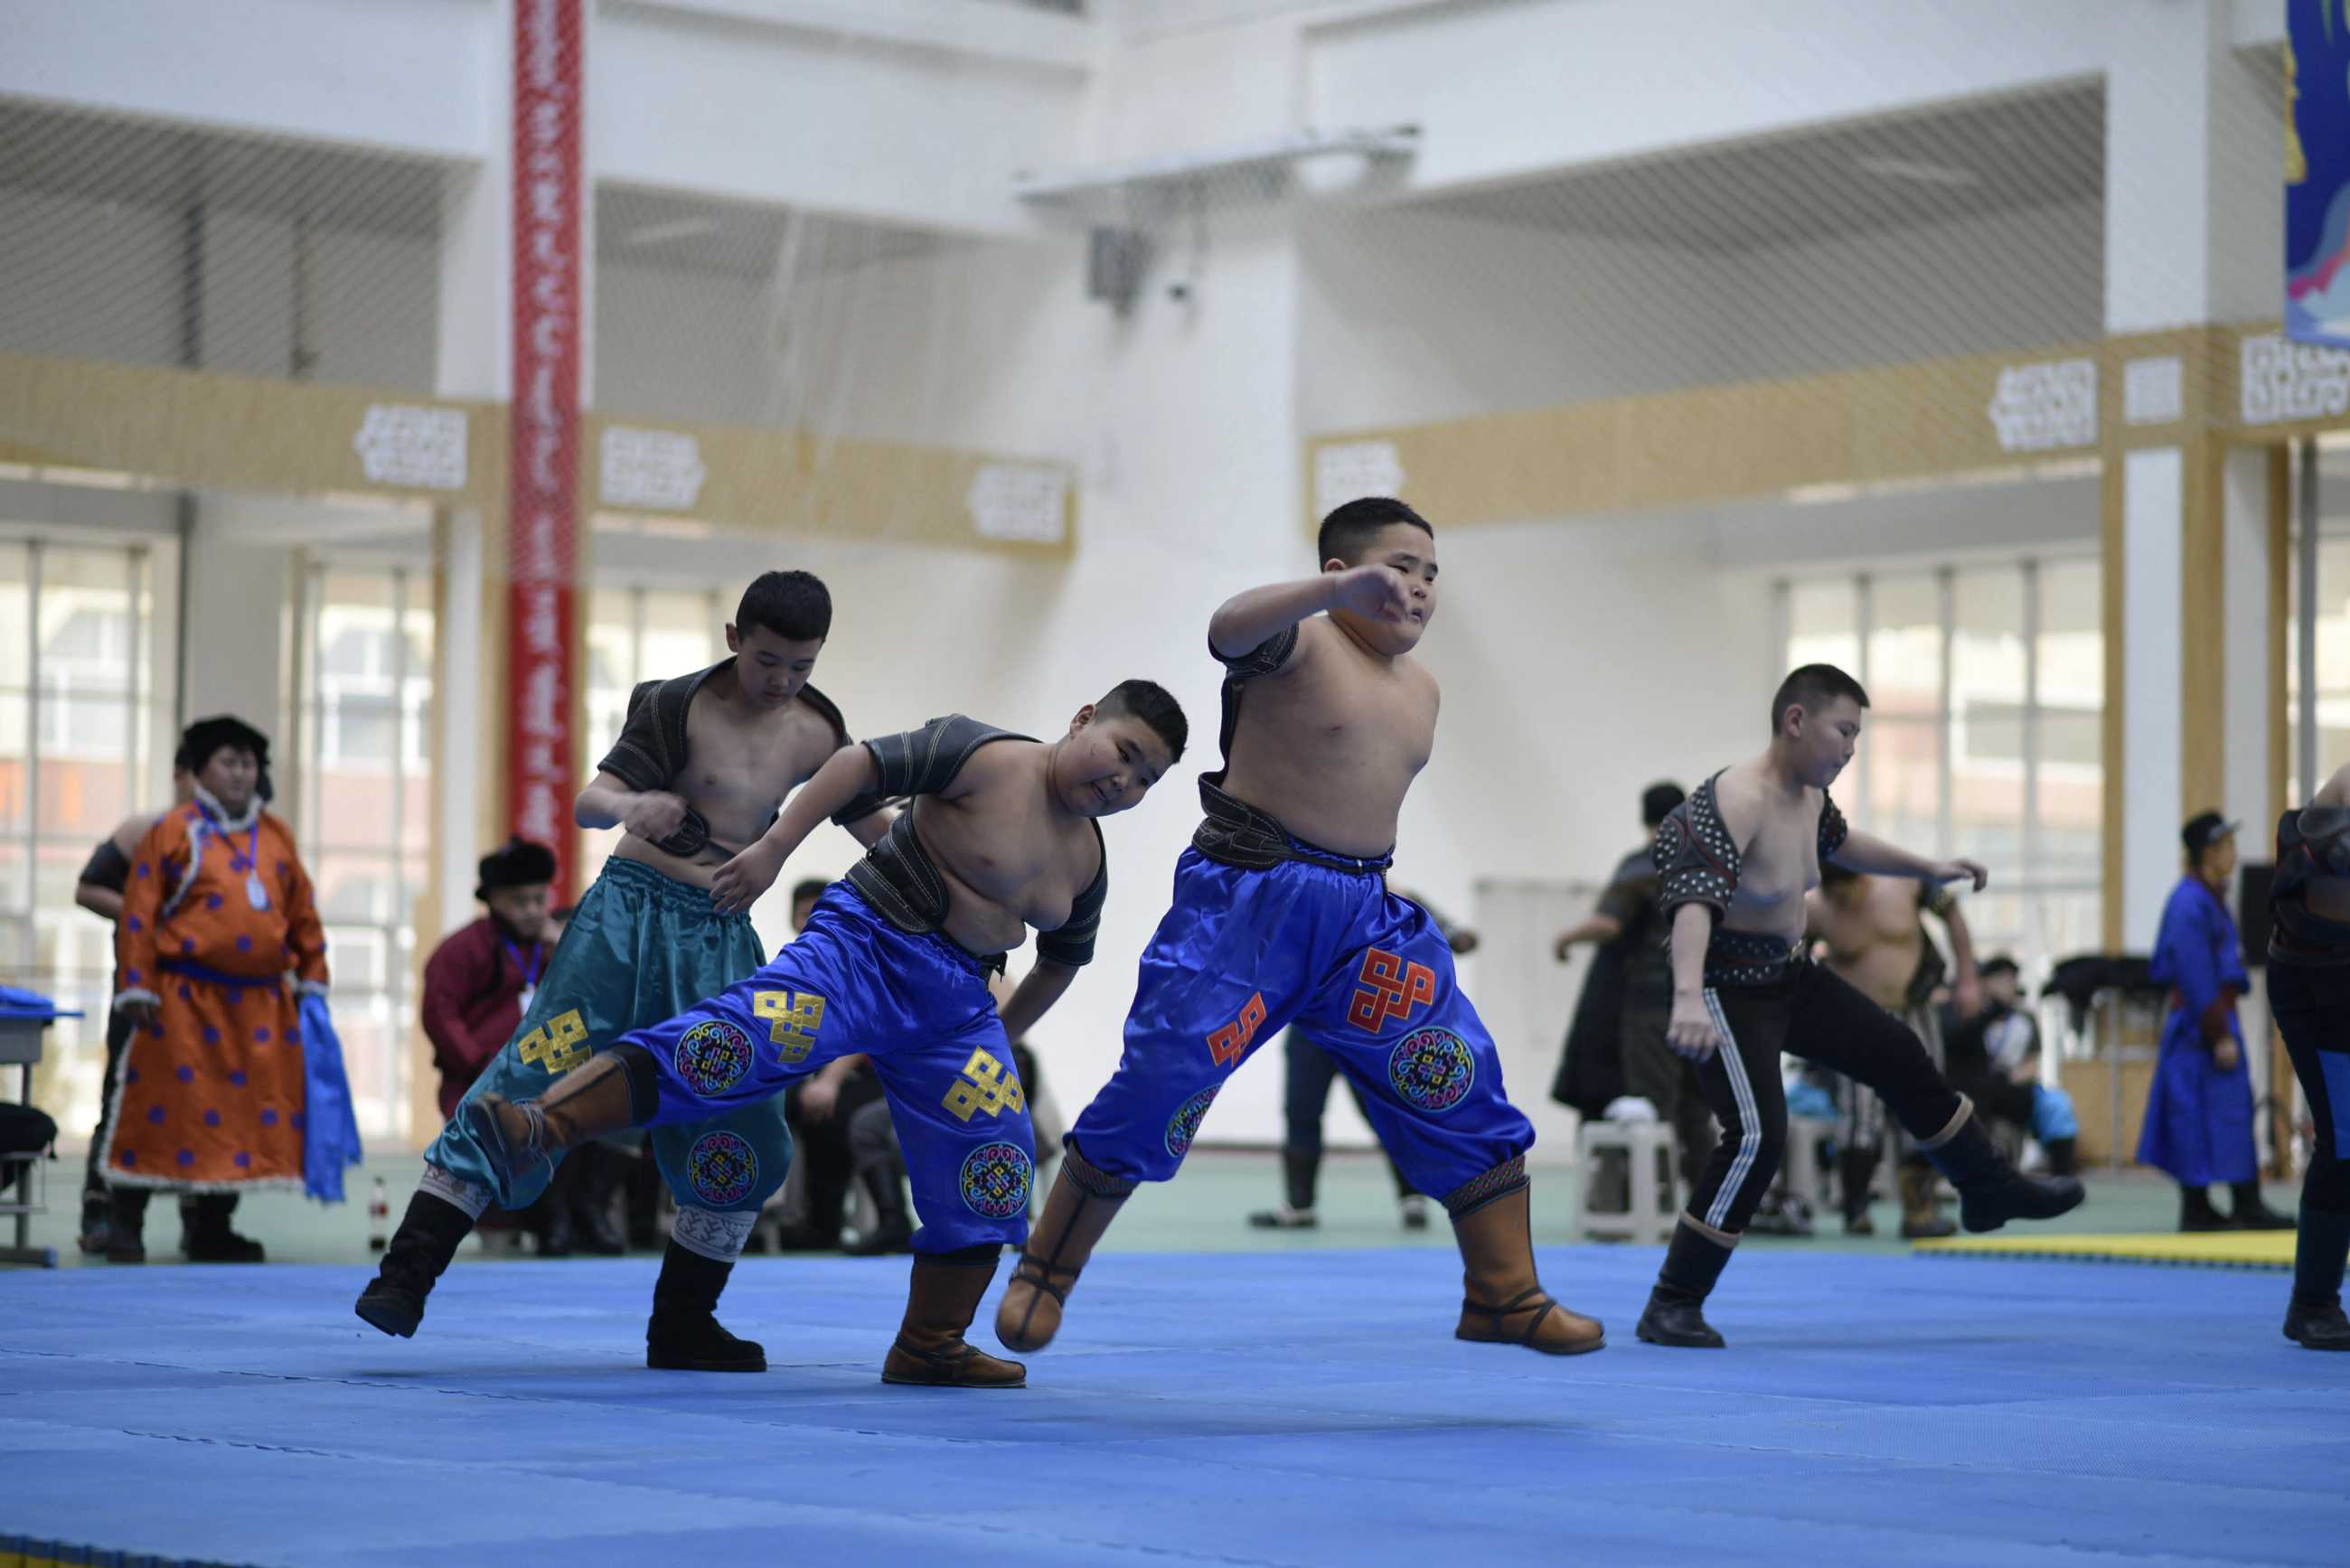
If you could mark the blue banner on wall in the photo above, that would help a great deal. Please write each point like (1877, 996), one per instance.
(2317, 172)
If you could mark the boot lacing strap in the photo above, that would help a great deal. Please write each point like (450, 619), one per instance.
(1519, 1302)
(953, 1359)
(1042, 1277)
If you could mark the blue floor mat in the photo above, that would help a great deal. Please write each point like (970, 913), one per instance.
(1251, 1409)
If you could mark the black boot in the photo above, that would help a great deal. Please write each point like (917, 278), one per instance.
(645, 1193)
(591, 1217)
(209, 1238)
(429, 1236)
(97, 1221)
(2315, 1318)
(2063, 1158)
(892, 1232)
(2195, 1211)
(1300, 1168)
(126, 1230)
(1991, 1191)
(799, 1236)
(2247, 1211)
(1856, 1171)
(1674, 1315)
(683, 1335)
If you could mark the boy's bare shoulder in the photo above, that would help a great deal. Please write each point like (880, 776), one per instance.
(1738, 797)
(997, 764)
(1313, 635)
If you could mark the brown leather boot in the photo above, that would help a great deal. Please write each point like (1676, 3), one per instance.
(1503, 1301)
(1921, 1205)
(930, 1349)
(517, 1137)
(1084, 1203)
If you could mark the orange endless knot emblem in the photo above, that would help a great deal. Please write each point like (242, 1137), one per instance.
(1231, 1042)
(1392, 989)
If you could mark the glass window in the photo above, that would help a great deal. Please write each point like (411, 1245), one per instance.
(1987, 684)
(635, 635)
(78, 679)
(1823, 623)
(2069, 726)
(366, 808)
(1987, 703)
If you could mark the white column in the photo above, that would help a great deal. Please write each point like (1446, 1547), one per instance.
(457, 713)
(474, 353)
(237, 597)
(2153, 484)
(2244, 520)
(2192, 166)
(474, 346)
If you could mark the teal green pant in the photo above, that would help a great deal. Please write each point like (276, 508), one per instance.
(641, 949)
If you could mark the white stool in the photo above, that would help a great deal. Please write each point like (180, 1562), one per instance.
(1651, 1152)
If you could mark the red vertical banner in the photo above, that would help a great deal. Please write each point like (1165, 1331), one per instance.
(543, 468)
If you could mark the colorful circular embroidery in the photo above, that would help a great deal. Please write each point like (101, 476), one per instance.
(721, 1168)
(1184, 1125)
(712, 1056)
(1432, 1069)
(995, 1179)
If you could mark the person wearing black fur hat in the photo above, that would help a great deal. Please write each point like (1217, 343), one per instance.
(480, 979)
(477, 984)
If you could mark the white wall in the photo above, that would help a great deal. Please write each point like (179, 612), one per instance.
(1510, 89)
(827, 121)
(403, 74)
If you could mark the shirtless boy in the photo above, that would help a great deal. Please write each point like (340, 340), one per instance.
(1003, 836)
(1737, 859)
(1874, 931)
(701, 764)
(1282, 912)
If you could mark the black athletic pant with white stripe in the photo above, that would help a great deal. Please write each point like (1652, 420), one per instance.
(1811, 1014)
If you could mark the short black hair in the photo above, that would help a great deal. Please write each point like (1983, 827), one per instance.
(1657, 802)
(1155, 706)
(809, 887)
(1812, 688)
(1348, 529)
(1997, 963)
(794, 605)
